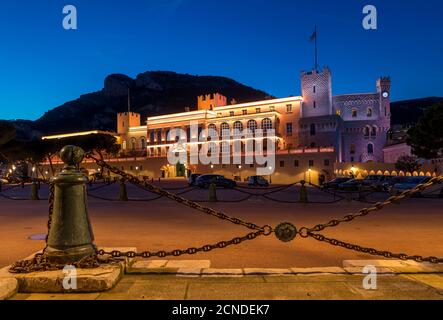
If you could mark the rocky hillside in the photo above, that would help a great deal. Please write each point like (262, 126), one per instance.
(152, 93)
(407, 112)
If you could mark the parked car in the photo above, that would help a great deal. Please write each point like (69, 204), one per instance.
(376, 181)
(204, 181)
(258, 181)
(192, 178)
(390, 182)
(352, 185)
(410, 183)
(334, 183)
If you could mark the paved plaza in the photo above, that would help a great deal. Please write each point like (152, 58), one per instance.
(413, 226)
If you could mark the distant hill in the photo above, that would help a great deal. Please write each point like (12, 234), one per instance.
(408, 111)
(152, 93)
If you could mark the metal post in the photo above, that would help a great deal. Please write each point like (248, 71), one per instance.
(70, 236)
(123, 194)
(303, 192)
(212, 192)
(34, 191)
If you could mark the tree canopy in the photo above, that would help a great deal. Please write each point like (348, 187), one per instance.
(426, 137)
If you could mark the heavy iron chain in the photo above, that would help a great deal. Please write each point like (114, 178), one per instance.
(258, 231)
(309, 232)
(285, 231)
(194, 205)
(376, 207)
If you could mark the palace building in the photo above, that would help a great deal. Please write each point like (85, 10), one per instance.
(312, 132)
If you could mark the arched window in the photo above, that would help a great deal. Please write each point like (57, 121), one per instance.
(167, 137)
(159, 136)
(312, 129)
(124, 145)
(224, 129)
(370, 148)
(366, 131)
(252, 125)
(374, 131)
(354, 113)
(266, 124)
(133, 144)
(369, 112)
(212, 129)
(143, 143)
(238, 127)
(151, 137)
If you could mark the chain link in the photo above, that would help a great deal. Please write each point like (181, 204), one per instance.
(378, 206)
(39, 262)
(372, 251)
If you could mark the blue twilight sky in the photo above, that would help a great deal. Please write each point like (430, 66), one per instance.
(261, 43)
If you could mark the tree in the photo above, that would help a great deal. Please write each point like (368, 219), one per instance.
(407, 164)
(426, 137)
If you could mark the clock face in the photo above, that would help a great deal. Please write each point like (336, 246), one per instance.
(385, 94)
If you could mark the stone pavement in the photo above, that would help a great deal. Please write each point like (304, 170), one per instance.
(195, 280)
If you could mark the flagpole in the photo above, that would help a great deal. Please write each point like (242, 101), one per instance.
(316, 61)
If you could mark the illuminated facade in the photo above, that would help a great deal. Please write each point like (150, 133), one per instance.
(313, 131)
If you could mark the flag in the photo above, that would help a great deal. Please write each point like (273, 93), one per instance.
(314, 35)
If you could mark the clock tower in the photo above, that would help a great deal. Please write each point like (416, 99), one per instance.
(384, 90)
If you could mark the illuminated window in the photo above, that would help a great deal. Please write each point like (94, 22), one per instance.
(338, 112)
(266, 124)
(224, 129)
(289, 108)
(238, 126)
(289, 128)
(354, 113)
(252, 125)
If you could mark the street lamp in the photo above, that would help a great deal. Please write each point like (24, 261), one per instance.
(270, 174)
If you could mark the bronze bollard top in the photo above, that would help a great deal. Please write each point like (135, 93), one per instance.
(72, 155)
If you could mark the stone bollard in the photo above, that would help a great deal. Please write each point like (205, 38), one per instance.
(212, 193)
(123, 194)
(34, 191)
(70, 237)
(303, 192)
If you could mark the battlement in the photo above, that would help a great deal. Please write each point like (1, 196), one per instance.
(211, 101)
(126, 120)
